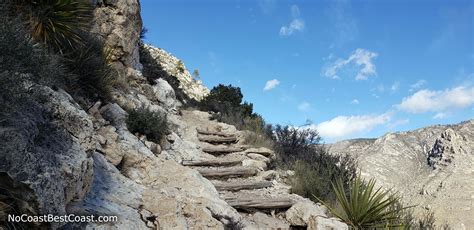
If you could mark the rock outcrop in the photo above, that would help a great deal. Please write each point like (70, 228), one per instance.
(174, 67)
(432, 167)
(119, 23)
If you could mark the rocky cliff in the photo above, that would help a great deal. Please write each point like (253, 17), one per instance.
(431, 167)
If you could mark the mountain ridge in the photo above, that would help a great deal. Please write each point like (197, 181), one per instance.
(429, 166)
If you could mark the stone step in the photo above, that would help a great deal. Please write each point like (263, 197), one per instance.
(252, 203)
(262, 151)
(212, 162)
(222, 149)
(214, 133)
(230, 172)
(213, 139)
(241, 185)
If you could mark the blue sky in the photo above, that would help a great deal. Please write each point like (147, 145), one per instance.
(350, 68)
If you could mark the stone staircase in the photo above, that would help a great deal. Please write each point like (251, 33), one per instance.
(240, 174)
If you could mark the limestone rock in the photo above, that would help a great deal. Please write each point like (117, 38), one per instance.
(260, 165)
(300, 213)
(191, 87)
(115, 115)
(163, 93)
(119, 23)
(323, 223)
(262, 221)
(48, 159)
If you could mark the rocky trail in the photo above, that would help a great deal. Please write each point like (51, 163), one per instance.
(241, 175)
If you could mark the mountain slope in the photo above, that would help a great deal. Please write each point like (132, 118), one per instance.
(431, 167)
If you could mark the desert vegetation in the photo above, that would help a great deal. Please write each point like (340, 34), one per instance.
(50, 40)
(152, 124)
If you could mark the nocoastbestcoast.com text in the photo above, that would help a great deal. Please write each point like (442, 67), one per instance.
(70, 218)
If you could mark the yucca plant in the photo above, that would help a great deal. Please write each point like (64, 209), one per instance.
(365, 207)
(55, 23)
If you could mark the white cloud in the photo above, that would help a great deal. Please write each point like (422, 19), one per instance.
(418, 84)
(304, 106)
(440, 115)
(438, 101)
(296, 24)
(355, 102)
(271, 84)
(361, 58)
(345, 126)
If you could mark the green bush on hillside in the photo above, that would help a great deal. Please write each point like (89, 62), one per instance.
(315, 169)
(149, 123)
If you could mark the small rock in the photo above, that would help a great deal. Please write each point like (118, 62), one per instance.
(323, 223)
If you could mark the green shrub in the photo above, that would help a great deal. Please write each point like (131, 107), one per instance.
(315, 169)
(365, 207)
(55, 23)
(149, 123)
(180, 67)
(95, 77)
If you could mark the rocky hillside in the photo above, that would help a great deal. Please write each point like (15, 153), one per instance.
(432, 167)
(58, 157)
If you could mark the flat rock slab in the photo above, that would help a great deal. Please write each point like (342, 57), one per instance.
(262, 151)
(260, 203)
(215, 133)
(222, 149)
(213, 139)
(242, 185)
(212, 162)
(230, 172)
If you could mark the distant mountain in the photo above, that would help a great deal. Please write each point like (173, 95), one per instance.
(431, 167)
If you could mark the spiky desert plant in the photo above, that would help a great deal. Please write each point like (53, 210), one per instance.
(365, 207)
(56, 23)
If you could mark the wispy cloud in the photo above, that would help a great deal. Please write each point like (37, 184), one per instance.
(304, 106)
(361, 58)
(296, 24)
(438, 101)
(418, 84)
(271, 84)
(346, 126)
(355, 102)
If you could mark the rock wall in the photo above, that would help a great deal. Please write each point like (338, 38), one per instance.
(119, 23)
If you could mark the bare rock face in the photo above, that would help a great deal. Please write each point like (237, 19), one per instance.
(174, 67)
(48, 159)
(120, 24)
(432, 167)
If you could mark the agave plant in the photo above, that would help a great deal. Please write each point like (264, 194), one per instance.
(56, 23)
(365, 207)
